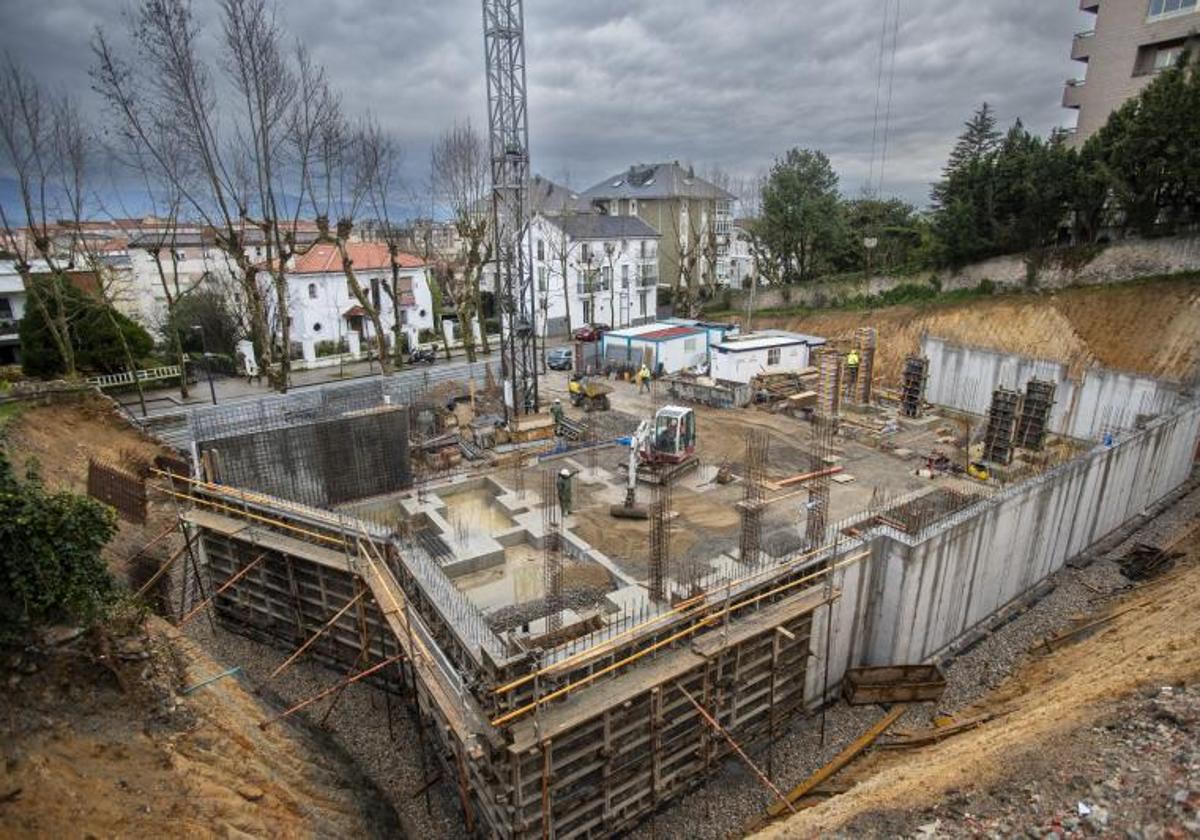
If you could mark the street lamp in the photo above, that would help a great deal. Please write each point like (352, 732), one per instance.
(212, 391)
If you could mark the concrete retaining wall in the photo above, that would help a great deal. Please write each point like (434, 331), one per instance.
(1054, 268)
(964, 377)
(912, 598)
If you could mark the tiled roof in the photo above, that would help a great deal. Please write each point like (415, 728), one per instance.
(323, 258)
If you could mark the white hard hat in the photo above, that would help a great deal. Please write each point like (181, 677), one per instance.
(564, 472)
(557, 400)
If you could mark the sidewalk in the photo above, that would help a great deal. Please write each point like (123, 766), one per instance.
(162, 401)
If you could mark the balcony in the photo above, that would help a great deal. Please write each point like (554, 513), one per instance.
(1081, 46)
(9, 329)
(1092, 6)
(1073, 93)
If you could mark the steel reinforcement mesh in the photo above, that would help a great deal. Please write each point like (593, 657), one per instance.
(322, 463)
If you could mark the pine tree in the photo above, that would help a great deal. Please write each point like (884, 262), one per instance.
(979, 139)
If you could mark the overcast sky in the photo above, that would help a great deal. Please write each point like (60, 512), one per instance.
(614, 82)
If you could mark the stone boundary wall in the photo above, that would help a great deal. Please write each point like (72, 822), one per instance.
(1053, 268)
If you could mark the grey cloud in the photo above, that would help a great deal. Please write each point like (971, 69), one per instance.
(610, 83)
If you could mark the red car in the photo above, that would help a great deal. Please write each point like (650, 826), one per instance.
(591, 332)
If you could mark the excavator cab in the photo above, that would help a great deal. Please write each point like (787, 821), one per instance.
(674, 437)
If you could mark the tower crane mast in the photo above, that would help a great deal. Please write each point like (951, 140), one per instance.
(508, 134)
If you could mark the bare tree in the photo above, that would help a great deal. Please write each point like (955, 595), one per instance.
(229, 172)
(35, 137)
(561, 253)
(460, 180)
(382, 158)
(342, 184)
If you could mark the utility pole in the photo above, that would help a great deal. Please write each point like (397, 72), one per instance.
(508, 133)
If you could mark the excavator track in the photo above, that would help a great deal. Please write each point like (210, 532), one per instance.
(658, 473)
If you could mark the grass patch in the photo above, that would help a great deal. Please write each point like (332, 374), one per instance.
(9, 411)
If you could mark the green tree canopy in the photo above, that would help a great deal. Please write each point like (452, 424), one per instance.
(1147, 155)
(96, 332)
(801, 223)
(209, 309)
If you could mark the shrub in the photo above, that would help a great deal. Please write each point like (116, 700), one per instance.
(51, 566)
(332, 348)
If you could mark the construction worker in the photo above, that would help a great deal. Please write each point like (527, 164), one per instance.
(852, 367)
(556, 411)
(643, 377)
(563, 486)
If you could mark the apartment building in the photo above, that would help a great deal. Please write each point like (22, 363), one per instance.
(605, 268)
(1131, 41)
(693, 216)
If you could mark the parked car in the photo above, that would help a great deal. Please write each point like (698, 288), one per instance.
(560, 358)
(591, 332)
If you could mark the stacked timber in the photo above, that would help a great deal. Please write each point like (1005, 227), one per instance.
(788, 390)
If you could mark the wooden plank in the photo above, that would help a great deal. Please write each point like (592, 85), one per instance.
(857, 746)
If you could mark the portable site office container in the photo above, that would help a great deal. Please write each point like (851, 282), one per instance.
(741, 359)
(665, 348)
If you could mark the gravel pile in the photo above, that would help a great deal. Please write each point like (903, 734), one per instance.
(358, 723)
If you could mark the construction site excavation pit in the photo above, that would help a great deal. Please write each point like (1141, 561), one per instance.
(490, 540)
(568, 668)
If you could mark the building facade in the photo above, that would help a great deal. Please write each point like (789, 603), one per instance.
(1131, 41)
(603, 268)
(326, 317)
(693, 216)
(12, 310)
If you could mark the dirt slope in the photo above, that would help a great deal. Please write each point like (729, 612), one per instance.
(1151, 328)
(91, 756)
(1150, 645)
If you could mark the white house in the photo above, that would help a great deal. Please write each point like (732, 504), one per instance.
(326, 316)
(664, 347)
(12, 310)
(741, 358)
(608, 265)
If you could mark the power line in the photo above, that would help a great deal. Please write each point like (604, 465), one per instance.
(887, 117)
(878, 89)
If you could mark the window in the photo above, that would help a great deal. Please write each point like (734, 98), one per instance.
(1167, 8)
(633, 207)
(773, 356)
(642, 249)
(317, 327)
(644, 299)
(606, 278)
(585, 252)
(689, 345)
(625, 275)
(312, 291)
(6, 310)
(541, 250)
(542, 285)
(350, 288)
(1167, 57)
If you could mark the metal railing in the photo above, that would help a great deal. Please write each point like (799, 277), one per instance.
(110, 380)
